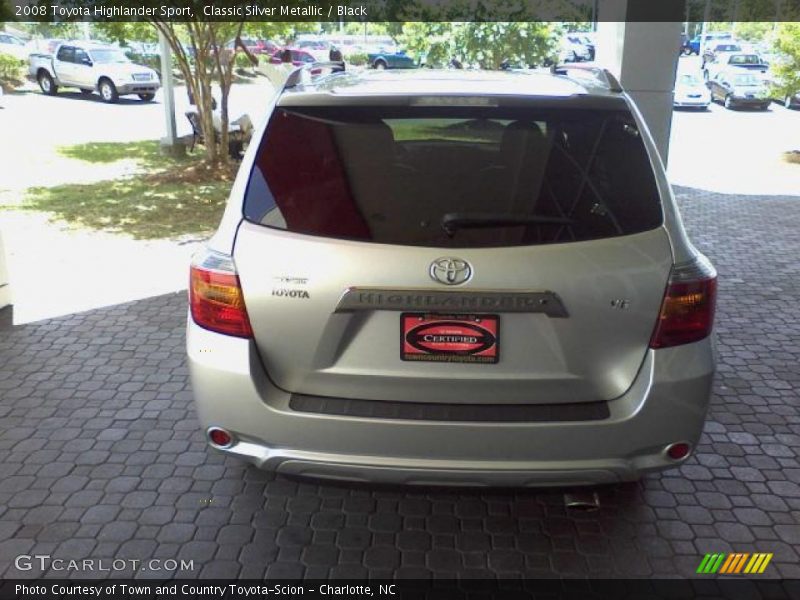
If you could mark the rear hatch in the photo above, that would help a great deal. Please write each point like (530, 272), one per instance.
(443, 251)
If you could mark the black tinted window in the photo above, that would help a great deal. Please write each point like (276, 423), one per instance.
(405, 175)
(66, 53)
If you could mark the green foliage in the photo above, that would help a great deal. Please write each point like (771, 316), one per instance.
(271, 30)
(136, 206)
(123, 33)
(12, 71)
(66, 31)
(167, 197)
(148, 60)
(489, 44)
(433, 41)
(146, 154)
(357, 58)
(6, 12)
(753, 31)
(242, 61)
(486, 45)
(787, 71)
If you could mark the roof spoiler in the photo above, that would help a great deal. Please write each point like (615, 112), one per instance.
(296, 76)
(603, 77)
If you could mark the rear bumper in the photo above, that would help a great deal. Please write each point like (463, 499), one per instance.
(666, 404)
(138, 88)
(691, 102)
(739, 101)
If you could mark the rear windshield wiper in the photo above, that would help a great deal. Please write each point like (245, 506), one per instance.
(452, 222)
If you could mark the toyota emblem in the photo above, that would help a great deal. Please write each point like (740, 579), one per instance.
(450, 271)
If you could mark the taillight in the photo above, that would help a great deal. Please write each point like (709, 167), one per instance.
(215, 295)
(687, 311)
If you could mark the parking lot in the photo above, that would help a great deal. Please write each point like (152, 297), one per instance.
(734, 151)
(101, 455)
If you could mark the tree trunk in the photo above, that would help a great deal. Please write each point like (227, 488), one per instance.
(207, 39)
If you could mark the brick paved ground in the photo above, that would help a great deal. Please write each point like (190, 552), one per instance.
(100, 454)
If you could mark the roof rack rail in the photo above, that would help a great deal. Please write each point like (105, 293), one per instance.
(296, 76)
(603, 76)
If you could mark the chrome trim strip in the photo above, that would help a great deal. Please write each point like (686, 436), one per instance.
(399, 299)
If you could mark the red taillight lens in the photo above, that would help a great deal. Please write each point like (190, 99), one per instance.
(220, 437)
(687, 311)
(217, 302)
(678, 451)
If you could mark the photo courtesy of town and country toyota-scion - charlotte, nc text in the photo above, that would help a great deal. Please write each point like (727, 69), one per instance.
(101, 11)
(199, 590)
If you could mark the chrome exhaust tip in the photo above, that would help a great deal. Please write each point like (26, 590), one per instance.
(582, 501)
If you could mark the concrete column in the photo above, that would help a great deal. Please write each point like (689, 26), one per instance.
(5, 285)
(644, 57)
(169, 143)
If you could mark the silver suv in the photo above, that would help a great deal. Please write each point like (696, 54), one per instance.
(453, 278)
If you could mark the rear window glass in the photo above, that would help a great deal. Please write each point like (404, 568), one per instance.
(453, 177)
(745, 59)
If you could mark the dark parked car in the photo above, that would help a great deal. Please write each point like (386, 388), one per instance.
(693, 47)
(735, 88)
(299, 57)
(263, 47)
(390, 59)
(685, 44)
(715, 49)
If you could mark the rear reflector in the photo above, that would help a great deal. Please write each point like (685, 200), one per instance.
(687, 311)
(678, 451)
(215, 295)
(220, 437)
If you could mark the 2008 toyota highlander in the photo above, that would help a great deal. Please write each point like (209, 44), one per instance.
(453, 278)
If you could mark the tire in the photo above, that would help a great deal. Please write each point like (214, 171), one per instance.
(47, 85)
(380, 65)
(146, 97)
(788, 103)
(728, 103)
(108, 91)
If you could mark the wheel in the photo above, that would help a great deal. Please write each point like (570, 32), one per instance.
(47, 84)
(86, 92)
(108, 91)
(788, 103)
(146, 97)
(380, 65)
(728, 102)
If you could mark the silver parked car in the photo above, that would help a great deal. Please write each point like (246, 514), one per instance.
(690, 92)
(452, 278)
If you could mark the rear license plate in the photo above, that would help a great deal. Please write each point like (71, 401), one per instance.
(454, 338)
